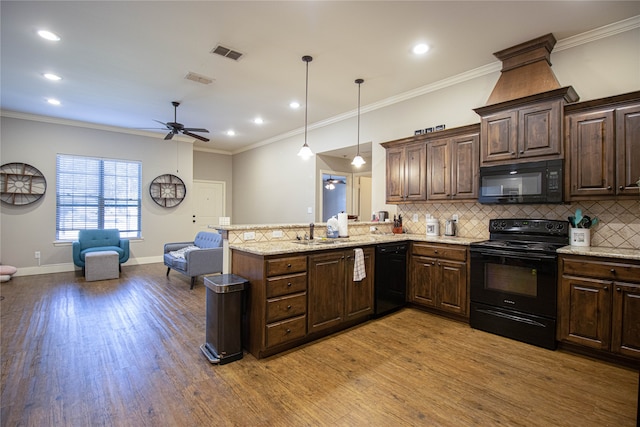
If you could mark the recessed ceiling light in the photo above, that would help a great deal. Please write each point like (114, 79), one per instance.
(49, 35)
(51, 76)
(231, 132)
(420, 49)
(53, 101)
(258, 120)
(294, 104)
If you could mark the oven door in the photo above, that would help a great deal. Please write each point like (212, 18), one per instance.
(519, 281)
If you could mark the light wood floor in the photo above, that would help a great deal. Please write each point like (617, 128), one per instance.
(126, 353)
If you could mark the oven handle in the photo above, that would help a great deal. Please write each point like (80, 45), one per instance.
(511, 317)
(528, 257)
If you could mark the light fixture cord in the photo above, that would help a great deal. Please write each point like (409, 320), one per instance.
(359, 118)
(306, 103)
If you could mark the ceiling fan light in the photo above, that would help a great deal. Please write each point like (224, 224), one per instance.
(358, 161)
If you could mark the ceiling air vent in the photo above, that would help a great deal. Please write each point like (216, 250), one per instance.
(227, 53)
(198, 78)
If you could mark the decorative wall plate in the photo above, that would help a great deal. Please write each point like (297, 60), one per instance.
(167, 190)
(21, 184)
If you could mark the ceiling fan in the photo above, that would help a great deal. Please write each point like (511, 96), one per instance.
(175, 128)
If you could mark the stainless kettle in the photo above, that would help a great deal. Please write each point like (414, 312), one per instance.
(450, 228)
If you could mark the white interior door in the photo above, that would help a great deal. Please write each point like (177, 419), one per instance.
(209, 203)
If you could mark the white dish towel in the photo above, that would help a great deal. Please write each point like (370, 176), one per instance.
(359, 272)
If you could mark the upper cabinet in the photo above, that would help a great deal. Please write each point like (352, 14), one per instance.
(406, 171)
(439, 165)
(524, 129)
(603, 148)
(452, 165)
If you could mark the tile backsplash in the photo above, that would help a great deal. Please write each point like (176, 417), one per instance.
(619, 225)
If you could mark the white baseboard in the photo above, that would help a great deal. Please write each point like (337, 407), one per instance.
(61, 268)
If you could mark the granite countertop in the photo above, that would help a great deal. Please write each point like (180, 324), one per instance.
(278, 247)
(601, 251)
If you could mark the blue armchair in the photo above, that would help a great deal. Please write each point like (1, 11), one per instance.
(99, 240)
(202, 256)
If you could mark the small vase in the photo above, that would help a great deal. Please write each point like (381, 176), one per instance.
(580, 237)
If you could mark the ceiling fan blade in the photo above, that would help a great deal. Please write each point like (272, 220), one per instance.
(195, 130)
(193, 135)
(162, 123)
(168, 136)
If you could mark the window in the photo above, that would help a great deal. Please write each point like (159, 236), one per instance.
(94, 193)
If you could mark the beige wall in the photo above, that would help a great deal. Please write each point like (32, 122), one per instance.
(596, 68)
(270, 184)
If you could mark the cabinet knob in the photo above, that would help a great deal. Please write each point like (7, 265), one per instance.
(433, 263)
(288, 265)
(606, 288)
(288, 331)
(521, 151)
(613, 271)
(619, 289)
(621, 187)
(289, 307)
(608, 187)
(435, 251)
(289, 284)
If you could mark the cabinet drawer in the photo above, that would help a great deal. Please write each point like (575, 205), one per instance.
(285, 307)
(287, 330)
(602, 270)
(439, 251)
(276, 267)
(283, 285)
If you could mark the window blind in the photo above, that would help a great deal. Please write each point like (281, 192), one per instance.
(96, 193)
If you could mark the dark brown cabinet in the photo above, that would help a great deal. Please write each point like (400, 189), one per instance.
(603, 145)
(406, 173)
(452, 166)
(438, 277)
(334, 297)
(524, 129)
(599, 304)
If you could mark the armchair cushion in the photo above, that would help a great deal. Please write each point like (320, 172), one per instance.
(201, 256)
(99, 240)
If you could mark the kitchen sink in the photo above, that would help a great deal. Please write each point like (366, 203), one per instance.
(315, 242)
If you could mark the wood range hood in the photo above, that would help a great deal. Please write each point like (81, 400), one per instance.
(526, 71)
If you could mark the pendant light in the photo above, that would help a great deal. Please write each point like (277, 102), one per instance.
(358, 160)
(305, 152)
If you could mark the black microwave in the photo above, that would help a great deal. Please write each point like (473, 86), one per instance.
(522, 183)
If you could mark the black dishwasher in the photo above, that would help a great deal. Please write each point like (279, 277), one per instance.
(390, 277)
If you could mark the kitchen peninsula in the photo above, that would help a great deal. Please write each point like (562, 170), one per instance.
(302, 290)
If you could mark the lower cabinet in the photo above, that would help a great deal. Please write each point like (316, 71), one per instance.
(292, 297)
(438, 277)
(334, 297)
(599, 304)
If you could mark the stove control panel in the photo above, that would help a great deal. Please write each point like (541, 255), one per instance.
(529, 226)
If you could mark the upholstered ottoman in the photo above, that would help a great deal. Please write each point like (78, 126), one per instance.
(101, 265)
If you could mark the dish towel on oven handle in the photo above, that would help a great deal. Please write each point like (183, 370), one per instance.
(359, 271)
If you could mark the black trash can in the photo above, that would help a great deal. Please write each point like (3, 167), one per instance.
(224, 318)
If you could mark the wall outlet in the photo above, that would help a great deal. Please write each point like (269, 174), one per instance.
(276, 234)
(250, 235)
(37, 254)
(455, 217)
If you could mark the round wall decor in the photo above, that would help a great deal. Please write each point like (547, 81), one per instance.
(167, 190)
(21, 184)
